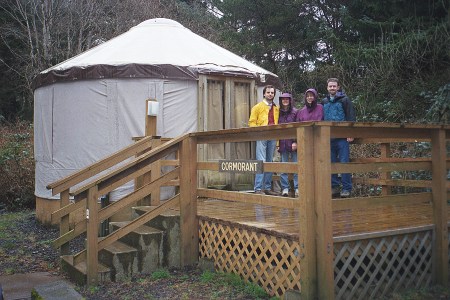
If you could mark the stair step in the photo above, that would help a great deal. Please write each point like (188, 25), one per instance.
(118, 248)
(78, 273)
(140, 210)
(143, 229)
(169, 223)
(121, 258)
(148, 241)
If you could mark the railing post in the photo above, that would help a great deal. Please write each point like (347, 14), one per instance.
(385, 153)
(64, 225)
(92, 236)
(188, 202)
(307, 219)
(155, 173)
(440, 209)
(324, 213)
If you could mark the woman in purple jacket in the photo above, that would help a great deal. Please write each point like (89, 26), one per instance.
(287, 148)
(312, 111)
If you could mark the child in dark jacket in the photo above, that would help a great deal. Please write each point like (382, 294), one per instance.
(287, 148)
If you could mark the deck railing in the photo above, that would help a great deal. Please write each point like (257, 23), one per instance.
(315, 204)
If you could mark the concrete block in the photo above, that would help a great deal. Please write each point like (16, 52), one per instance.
(55, 291)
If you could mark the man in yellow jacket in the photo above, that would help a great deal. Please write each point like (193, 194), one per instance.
(265, 113)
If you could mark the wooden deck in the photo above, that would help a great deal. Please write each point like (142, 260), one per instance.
(285, 222)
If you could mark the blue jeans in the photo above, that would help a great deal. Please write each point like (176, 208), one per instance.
(284, 176)
(264, 152)
(340, 152)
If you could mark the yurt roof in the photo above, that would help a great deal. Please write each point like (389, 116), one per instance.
(156, 48)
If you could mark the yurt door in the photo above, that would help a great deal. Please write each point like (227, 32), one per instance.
(224, 103)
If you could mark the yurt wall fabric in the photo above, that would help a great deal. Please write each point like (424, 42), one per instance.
(78, 123)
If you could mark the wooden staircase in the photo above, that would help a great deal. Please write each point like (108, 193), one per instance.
(150, 240)
(144, 250)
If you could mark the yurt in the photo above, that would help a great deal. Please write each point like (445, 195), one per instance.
(94, 104)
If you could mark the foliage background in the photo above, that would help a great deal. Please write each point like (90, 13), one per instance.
(391, 56)
(16, 166)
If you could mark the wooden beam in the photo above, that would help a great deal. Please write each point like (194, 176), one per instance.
(383, 159)
(188, 202)
(379, 140)
(379, 167)
(150, 121)
(141, 192)
(64, 223)
(324, 215)
(155, 173)
(395, 182)
(92, 237)
(78, 229)
(307, 219)
(66, 210)
(276, 201)
(286, 167)
(101, 165)
(378, 132)
(381, 201)
(130, 170)
(440, 206)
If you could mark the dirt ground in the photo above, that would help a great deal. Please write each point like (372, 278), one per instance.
(25, 247)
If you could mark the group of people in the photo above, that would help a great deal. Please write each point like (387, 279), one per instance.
(336, 106)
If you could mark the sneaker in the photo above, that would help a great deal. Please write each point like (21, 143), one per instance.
(271, 193)
(335, 191)
(259, 192)
(285, 193)
(296, 193)
(345, 194)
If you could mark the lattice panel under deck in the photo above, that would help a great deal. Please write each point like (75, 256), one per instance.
(373, 268)
(269, 261)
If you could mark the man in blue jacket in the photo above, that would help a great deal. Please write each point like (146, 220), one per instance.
(338, 107)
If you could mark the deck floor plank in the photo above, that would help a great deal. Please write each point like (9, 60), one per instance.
(345, 222)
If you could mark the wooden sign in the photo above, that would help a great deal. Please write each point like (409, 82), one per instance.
(241, 166)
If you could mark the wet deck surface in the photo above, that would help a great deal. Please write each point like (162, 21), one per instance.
(345, 222)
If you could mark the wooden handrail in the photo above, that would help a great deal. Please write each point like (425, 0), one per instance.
(138, 194)
(131, 167)
(396, 182)
(352, 167)
(100, 166)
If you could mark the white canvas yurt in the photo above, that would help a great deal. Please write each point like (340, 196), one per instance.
(94, 104)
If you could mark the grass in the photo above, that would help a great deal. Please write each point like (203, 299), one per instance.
(432, 293)
(160, 274)
(218, 279)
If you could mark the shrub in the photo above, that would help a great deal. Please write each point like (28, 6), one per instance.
(16, 165)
